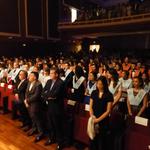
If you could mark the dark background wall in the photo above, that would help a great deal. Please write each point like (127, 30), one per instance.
(129, 45)
(138, 41)
(29, 49)
(35, 17)
(9, 16)
(33, 22)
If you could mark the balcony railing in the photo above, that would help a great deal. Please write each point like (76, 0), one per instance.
(104, 22)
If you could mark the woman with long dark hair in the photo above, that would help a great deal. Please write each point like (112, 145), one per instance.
(79, 85)
(91, 86)
(114, 85)
(137, 98)
(126, 83)
(116, 117)
(100, 107)
(146, 82)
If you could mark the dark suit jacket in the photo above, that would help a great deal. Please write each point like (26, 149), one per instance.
(68, 84)
(68, 80)
(21, 90)
(33, 96)
(54, 96)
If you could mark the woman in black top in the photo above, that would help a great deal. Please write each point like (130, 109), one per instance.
(100, 106)
(79, 85)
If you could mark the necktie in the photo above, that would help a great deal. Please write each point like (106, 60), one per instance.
(52, 85)
(19, 84)
(31, 85)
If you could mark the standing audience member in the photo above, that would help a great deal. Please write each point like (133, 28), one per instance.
(34, 105)
(126, 83)
(146, 82)
(116, 119)
(137, 98)
(79, 85)
(45, 77)
(53, 95)
(13, 74)
(100, 106)
(69, 73)
(91, 86)
(126, 65)
(18, 103)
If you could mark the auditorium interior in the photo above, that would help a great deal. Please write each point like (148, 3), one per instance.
(74, 74)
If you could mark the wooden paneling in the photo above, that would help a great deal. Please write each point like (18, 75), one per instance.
(52, 8)
(34, 18)
(10, 17)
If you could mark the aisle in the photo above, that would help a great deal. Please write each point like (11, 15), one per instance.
(13, 138)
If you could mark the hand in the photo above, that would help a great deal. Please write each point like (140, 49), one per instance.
(51, 98)
(87, 92)
(72, 90)
(17, 97)
(130, 114)
(96, 120)
(26, 103)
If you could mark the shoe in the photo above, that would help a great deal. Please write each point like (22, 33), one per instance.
(26, 128)
(49, 142)
(23, 126)
(39, 137)
(14, 117)
(60, 147)
(31, 132)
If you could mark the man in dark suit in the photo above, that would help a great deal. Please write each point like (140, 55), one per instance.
(18, 103)
(68, 79)
(33, 103)
(53, 95)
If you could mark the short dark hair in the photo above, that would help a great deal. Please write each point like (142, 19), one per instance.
(115, 75)
(36, 74)
(55, 69)
(126, 73)
(25, 73)
(94, 74)
(47, 70)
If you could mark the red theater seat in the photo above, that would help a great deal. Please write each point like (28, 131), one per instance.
(80, 125)
(3, 89)
(137, 137)
(9, 89)
(3, 93)
(9, 93)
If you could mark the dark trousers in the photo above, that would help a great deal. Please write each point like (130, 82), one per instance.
(18, 106)
(5, 104)
(147, 112)
(117, 125)
(101, 142)
(36, 117)
(55, 126)
(118, 139)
